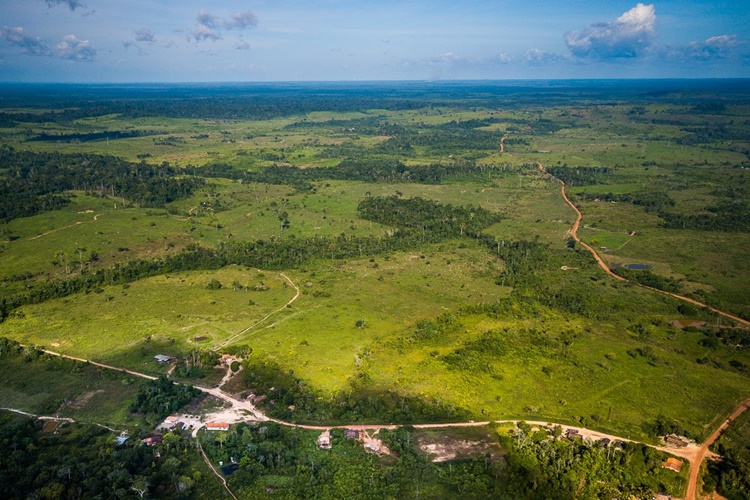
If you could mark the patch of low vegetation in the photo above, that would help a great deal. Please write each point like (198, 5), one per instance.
(730, 475)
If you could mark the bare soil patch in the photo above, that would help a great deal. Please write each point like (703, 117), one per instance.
(443, 447)
(83, 399)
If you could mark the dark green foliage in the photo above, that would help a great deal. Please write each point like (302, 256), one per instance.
(730, 216)
(649, 278)
(731, 474)
(284, 461)
(443, 326)
(84, 462)
(650, 200)
(478, 355)
(92, 136)
(665, 426)
(424, 216)
(581, 176)
(541, 468)
(31, 183)
(160, 397)
(523, 260)
(359, 169)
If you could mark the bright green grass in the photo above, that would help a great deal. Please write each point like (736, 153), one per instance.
(615, 394)
(170, 311)
(716, 262)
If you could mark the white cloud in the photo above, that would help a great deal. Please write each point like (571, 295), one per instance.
(536, 57)
(630, 35)
(504, 58)
(31, 45)
(241, 20)
(201, 32)
(75, 49)
(144, 35)
(208, 26)
(207, 19)
(716, 47)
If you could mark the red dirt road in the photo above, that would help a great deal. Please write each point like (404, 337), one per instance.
(574, 234)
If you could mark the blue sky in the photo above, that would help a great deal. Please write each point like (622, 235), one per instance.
(293, 40)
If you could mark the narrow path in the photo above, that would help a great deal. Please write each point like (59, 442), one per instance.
(216, 473)
(574, 234)
(40, 417)
(78, 223)
(236, 335)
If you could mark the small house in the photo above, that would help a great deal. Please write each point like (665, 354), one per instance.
(227, 359)
(153, 440)
(217, 426)
(672, 464)
(163, 358)
(324, 440)
(675, 441)
(573, 434)
(605, 442)
(351, 434)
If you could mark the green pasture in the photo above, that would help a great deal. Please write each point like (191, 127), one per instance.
(67, 389)
(715, 262)
(169, 314)
(595, 383)
(353, 317)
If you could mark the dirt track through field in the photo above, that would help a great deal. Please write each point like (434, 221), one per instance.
(242, 410)
(291, 301)
(603, 265)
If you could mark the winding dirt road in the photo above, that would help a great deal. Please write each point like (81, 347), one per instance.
(573, 231)
(242, 410)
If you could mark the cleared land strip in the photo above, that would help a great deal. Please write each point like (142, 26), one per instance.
(694, 454)
(574, 234)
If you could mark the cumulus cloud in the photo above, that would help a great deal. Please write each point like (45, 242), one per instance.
(209, 26)
(716, 47)
(241, 20)
(504, 58)
(536, 57)
(144, 35)
(75, 49)
(630, 35)
(72, 4)
(242, 45)
(205, 27)
(207, 19)
(202, 32)
(31, 45)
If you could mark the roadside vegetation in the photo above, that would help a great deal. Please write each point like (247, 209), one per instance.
(428, 274)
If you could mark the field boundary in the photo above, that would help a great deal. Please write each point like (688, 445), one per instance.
(573, 231)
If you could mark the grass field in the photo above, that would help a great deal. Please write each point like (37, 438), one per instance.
(68, 389)
(354, 316)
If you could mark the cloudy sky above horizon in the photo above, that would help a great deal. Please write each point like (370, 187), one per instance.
(297, 40)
